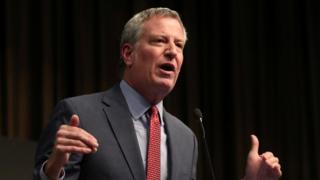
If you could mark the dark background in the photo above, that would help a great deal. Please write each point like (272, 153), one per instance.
(252, 66)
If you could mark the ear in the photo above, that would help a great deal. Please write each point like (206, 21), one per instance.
(127, 53)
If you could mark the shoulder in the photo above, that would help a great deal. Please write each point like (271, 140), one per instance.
(92, 99)
(174, 123)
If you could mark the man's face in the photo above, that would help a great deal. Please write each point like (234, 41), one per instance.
(154, 62)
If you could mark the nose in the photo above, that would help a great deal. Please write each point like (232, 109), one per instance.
(171, 51)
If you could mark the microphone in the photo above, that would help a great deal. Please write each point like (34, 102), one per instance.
(198, 115)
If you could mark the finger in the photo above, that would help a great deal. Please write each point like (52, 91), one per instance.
(74, 149)
(75, 120)
(70, 142)
(267, 155)
(61, 141)
(254, 144)
(76, 133)
(272, 161)
(277, 170)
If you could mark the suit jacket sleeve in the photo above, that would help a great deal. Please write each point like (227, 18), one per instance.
(195, 159)
(61, 115)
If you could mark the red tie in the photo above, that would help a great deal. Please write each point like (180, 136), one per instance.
(153, 156)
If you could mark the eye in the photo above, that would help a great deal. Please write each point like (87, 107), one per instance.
(180, 45)
(159, 40)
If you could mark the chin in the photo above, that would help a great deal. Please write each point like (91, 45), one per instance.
(166, 85)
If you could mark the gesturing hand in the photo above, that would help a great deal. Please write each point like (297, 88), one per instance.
(261, 167)
(69, 139)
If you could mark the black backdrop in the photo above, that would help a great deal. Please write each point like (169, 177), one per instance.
(250, 65)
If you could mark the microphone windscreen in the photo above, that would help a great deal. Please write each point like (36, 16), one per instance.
(197, 112)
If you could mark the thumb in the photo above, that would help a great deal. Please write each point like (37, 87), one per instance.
(254, 144)
(75, 120)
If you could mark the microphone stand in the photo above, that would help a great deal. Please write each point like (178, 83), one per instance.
(198, 114)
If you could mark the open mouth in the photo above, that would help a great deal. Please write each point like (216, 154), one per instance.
(167, 67)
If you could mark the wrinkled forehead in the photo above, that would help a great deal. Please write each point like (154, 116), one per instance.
(157, 18)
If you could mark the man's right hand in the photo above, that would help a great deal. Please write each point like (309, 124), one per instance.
(69, 139)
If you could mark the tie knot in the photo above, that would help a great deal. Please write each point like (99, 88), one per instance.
(154, 115)
(154, 110)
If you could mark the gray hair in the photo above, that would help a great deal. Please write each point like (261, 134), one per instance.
(133, 28)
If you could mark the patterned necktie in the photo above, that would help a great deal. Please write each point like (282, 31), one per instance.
(153, 156)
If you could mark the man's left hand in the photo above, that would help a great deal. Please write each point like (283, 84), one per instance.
(261, 167)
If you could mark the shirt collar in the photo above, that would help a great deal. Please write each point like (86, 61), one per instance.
(137, 104)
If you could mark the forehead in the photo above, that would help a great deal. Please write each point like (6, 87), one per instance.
(163, 25)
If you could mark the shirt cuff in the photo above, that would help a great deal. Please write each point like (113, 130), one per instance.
(43, 176)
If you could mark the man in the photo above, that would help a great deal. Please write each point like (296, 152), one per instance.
(106, 135)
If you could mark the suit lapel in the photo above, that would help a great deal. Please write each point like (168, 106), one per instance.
(118, 115)
(173, 149)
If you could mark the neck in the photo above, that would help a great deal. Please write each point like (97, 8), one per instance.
(152, 95)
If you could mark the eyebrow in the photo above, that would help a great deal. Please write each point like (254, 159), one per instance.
(165, 36)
